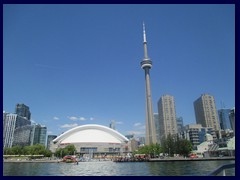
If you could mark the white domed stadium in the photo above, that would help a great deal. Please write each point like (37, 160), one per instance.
(92, 138)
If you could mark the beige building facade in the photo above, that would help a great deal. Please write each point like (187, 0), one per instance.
(205, 112)
(167, 116)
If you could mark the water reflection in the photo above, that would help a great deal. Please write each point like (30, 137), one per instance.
(108, 168)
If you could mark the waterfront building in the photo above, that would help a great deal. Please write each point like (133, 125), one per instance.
(224, 136)
(94, 139)
(146, 64)
(205, 112)
(50, 138)
(112, 125)
(196, 134)
(157, 125)
(23, 110)
(179, 124)
(4, 123)
(40, 134)
(12, 121)
(30, 135)
(23, 136)
(232, 119)
(224, 119)
(209, 148)
(167, 116)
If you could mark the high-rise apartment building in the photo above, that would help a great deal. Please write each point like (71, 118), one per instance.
(12, 121)
(23, 110)
(146, 64)
(223, 115)
(40, 135)
(30, 135)
(205, 112)
(24, 135)
(167, 116)
(4, 123)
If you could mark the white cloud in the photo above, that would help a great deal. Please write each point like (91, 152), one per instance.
(72, 118)
(55, 118)
(137, 124)
(119, 122)
(82, 119)
(91, 119)
(49, 132)
(69, 125)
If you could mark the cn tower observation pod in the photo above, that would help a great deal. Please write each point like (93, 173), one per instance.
(93, 137)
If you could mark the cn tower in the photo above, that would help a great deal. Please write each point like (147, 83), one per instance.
(146, 64)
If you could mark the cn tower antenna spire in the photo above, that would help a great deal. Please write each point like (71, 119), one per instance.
(145, 43)
(144, 34)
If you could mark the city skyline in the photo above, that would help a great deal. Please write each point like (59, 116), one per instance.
(79, 64)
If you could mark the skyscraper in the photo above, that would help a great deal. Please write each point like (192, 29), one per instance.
(23, 136)
(40, 134)
(205, 111)
(12, 121)
(224, 119)
(146, 64)
(167, 116)
(23, 110)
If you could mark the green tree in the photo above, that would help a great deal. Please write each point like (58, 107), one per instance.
(68, 150)
(27, 150)
(153, 150)
(37, 149)
(7, 151)
(58, 152)
(17, 150)
(185, 147)
(169, 145)
(47, 153)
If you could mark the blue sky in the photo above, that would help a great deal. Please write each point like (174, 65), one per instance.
(80, 64)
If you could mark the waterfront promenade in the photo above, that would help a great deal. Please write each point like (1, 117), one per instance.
(166, 159)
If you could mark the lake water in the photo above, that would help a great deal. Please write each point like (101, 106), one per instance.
(109, 168)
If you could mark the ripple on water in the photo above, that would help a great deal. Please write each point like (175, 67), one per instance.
(109, 168)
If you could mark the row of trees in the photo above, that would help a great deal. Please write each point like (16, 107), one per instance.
(170, 145)
(68, 150)
(37, 149)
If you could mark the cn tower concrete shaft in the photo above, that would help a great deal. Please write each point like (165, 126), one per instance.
(146, 64)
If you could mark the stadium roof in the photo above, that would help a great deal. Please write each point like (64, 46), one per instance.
(91, 133)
